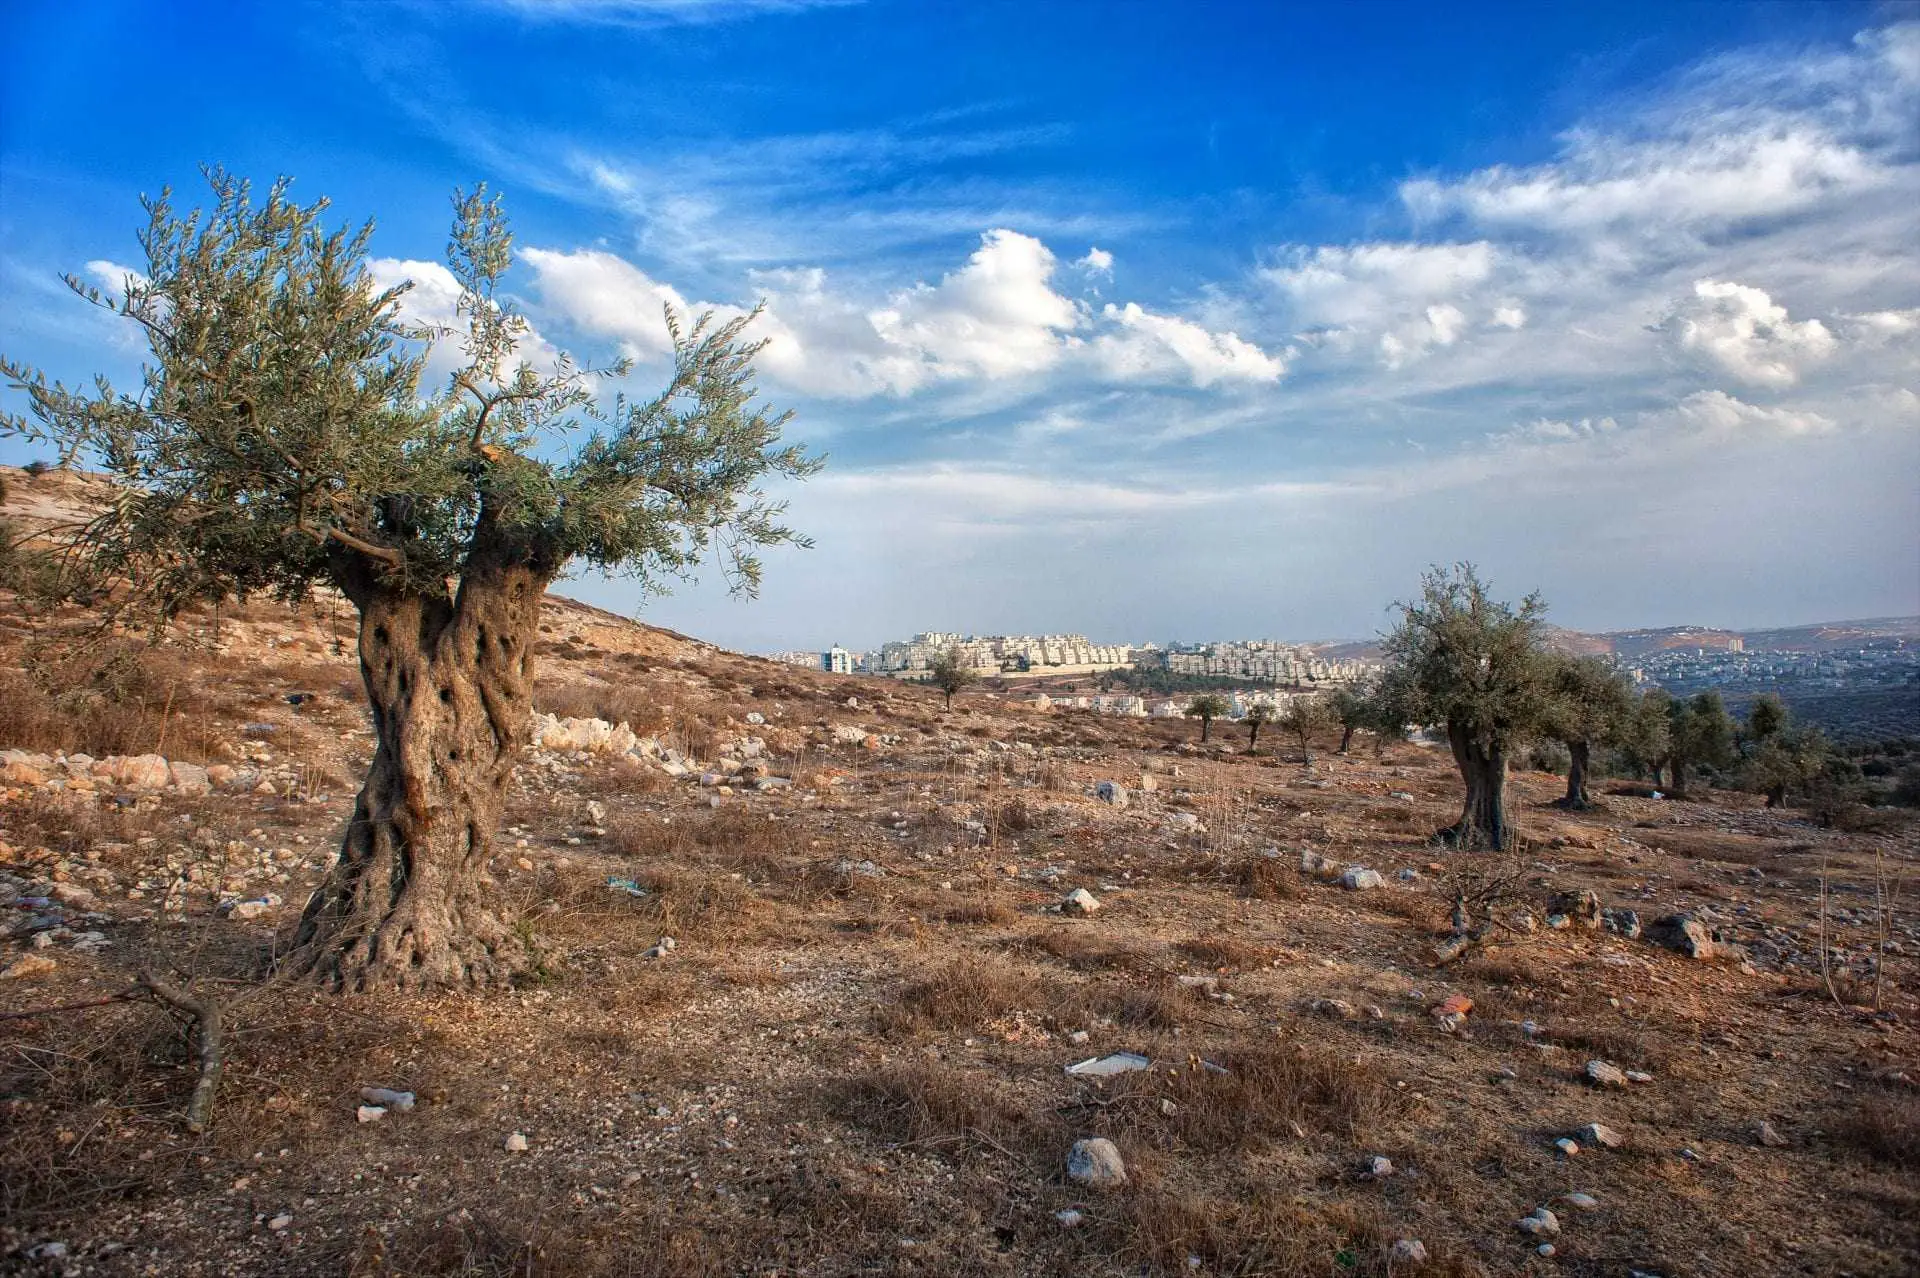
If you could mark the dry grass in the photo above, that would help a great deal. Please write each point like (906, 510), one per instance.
(1224, 952)
(1886, 1129)
(1251, 1095)
(939, 1105)
(965, 993)
(1265, 878)
(1085, 951)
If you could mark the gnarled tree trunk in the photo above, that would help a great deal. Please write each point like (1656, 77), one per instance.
(450, 684)
(1576, 800)
(1483, 816)
(1346, 737)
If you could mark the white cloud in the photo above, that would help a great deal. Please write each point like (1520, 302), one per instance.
(1510, 315)
(605, 294)
(1720, 413)
(1744, 332)
(1140, 345)
(1371, 284)
(997, 316)
(1097, 262)
(114, 278)
(433, 302)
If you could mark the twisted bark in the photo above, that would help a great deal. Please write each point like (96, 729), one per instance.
(450, 685)
(1482, 761)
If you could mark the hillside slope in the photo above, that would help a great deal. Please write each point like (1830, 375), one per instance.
(853, 1057)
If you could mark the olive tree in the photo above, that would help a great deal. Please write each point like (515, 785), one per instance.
(1466, 662)
(1207, 707)
(1305, 718)
(1350, 710)
(1699, 733)
(949, 674)
(282, 441)
(1259, 714)
(1590, 702)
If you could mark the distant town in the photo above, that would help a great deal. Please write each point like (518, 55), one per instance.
(1855, 679)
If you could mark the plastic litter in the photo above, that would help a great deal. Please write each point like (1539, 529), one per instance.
(1108, 1066)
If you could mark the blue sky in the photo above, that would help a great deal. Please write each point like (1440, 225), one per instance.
(1137, 319)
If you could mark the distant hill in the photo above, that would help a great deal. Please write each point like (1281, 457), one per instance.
(1819, 636)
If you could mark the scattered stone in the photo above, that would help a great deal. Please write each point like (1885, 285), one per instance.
(1449, 950)
(1769, 1137)
(1544, 1249)
(1409, 1251)
(28, 967)
(25, 775)
(1541, 1224)
(1557, 922)
(281, 1221)
(387, 1097)
(1069, 1218)
(1359, 878)
(1568, 1147)
(1602, 1074)
(1602, 1135)
(1408, 875)
(1078, 1037)
(666, 946)
(1683, 934)
(517, 1143)
(1379, 1168)
(1401, 795)
(1314, 863)
(1096, 1163)
(1639, 1076)
(1582, 907)
(1622, 921)
(1111, 792)
(1581, 1202)
(1080, 901)
(1334, 1009)
(370, 1113)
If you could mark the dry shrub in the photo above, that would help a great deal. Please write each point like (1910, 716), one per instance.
(1083, 951)
(1256, 1233)
(1497, 969)
(85, 1075)
(1253, 1094)
(979, 910)
(535, 1241)
(107, 699)
(1225, 951)
(1266, 878)
(930, 1103)
(700, 904)
(962, 995)
(1159, 1007)
(1635, 1048)
(1423, 911)
(1885, 1129)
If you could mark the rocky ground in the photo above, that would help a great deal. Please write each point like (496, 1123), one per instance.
(837, 981)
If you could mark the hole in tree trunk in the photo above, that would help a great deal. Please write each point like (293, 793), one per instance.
(446, 695)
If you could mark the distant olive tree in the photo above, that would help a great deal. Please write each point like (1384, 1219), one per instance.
(282, 440)
(1474, 666)
(1306, 718)
(1590, 703)
(1259, 714)
(1699, 734)
(1207, 707)
(950, 674)
(1349, 706)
